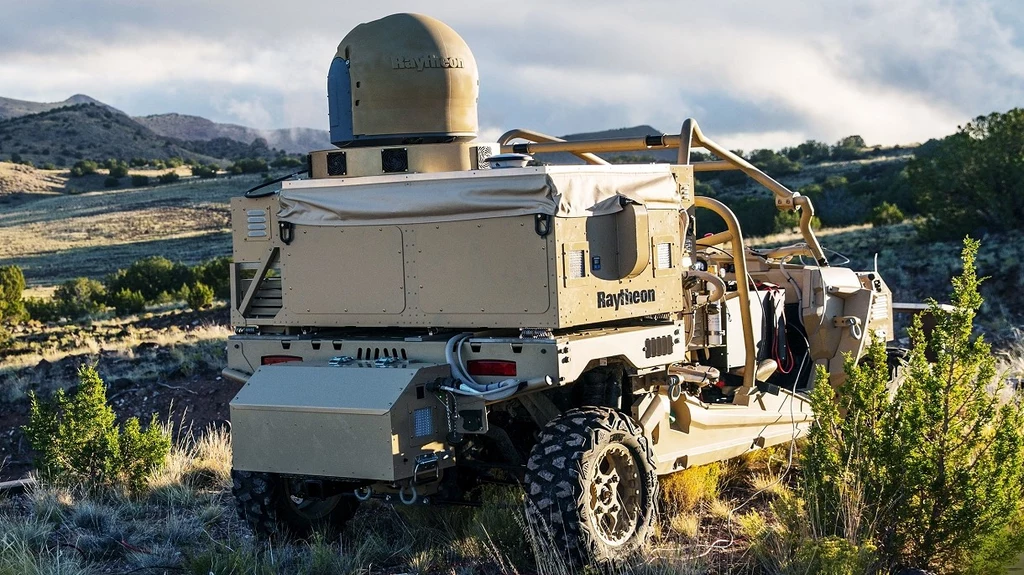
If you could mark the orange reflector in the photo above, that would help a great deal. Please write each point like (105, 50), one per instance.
(273, 359)
(491, 367)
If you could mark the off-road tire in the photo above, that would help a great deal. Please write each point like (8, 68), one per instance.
(263, 501)
(564, 485)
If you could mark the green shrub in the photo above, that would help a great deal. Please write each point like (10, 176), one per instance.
(79, 298)
(886, 214)
(786, 221)
(140, 180)
(168, 177)
(118, 169)
(127, 302)
(12, 284)
(287, 162)
(202, 171)
(249, 166)
(41, 309)
(834, 556)
(111, 182)
(929, 473)
(77, 441)
(83, 168)
(198, 295)
(150, 277)
(215, 273)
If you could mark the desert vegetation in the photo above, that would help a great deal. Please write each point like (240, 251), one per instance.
(125, 333)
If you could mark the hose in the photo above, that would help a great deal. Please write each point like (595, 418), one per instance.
(468, 385)
(715, 283)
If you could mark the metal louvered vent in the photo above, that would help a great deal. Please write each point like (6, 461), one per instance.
(663, 254)
(880, 307)
(394, 160)
(337, 164)
(375, 353)
(256, 223)
(482, 153)
(658, 346)
(577, 264)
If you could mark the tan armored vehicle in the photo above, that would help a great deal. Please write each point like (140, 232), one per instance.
(427, 312)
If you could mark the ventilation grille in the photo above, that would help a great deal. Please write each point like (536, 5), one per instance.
(663, 254)
(256, 223)
(393, 160)
(423, 422)
(266, 302)
(337, 164)
(658, 346)
(880, 307)
(375, 353)
(482, 153)
(577, 264)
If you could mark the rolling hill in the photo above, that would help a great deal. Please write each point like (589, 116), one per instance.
(11, 108)
(196, 128)
(61, 136)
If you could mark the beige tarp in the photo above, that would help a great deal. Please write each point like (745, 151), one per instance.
(568, 192)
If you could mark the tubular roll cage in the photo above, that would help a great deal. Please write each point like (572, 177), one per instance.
(690, 136)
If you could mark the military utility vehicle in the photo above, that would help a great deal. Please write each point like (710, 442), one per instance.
(426, 312)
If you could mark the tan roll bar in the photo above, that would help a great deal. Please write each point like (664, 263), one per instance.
(538, 137)
(690, 136)
(739, 261)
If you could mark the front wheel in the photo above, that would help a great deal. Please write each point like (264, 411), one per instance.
(591, 485)
(269, 504)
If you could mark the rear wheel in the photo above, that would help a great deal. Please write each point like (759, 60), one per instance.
(591, 485)
(271, 505)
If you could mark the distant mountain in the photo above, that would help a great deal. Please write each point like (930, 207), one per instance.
(63, 135)
(11, 108)
(195, 128)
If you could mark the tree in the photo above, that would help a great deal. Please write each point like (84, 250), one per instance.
(972, 181)
(79, 298)
(928, 474)
(12, 284)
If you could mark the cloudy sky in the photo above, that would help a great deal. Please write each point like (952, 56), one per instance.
(754, 73)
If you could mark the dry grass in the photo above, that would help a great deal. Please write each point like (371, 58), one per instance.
(123, 348)
(685, 490)
(686, 524)
(104, 230)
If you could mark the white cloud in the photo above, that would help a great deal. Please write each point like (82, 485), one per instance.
(751, 73)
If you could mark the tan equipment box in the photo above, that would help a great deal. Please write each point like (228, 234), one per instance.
(539, 247)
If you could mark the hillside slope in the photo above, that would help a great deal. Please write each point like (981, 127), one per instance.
(11, 108)
(196, 128)
(63, 135)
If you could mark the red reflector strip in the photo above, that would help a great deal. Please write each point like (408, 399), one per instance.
(273, 359)
(491, 367)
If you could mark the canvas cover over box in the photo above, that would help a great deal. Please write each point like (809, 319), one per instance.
(538, 247)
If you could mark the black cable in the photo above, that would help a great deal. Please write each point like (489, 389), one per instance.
(249, 193)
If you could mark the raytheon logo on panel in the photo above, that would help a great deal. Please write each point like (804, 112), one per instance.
(624, 297)
(421, 63)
